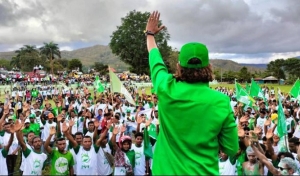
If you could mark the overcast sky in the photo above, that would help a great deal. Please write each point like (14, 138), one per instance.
(246, 31)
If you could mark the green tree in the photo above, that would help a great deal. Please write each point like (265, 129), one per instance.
(50, 50)
(5, 64)
(63, 62)
(275, 68)
(244, 75)
(26, 57)
(291, 66)
(74, 64)
(101, 68)
(129, 42)
(229, 76)
(172, 60)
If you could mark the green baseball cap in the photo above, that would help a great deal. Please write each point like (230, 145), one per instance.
(193, 50)
(32, 116)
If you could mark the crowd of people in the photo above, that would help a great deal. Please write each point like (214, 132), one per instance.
(75, 131)
(83, 134)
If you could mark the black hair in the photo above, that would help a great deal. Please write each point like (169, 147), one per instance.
(87, 137)
(29, 133)
(107, 114)
(117, 116)
(91, 122)
(294, 140)
(60, 139)
(138, 134)
(78, 133)
(35, 138)
(285, 154)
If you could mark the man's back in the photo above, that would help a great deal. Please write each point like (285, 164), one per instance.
(206, 119)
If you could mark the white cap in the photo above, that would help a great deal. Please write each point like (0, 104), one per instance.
(27, 121)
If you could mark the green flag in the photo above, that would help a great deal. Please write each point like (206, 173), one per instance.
(117, 86)
(295, 91)
(242, 95)
(281, 125)
(152, 131)
(98, 85)
(255, 90)
(147, 145)
(248, 88)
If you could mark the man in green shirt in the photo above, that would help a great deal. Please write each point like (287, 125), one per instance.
(34, 127)
(26, 129)
(195, 121)
(61, 160)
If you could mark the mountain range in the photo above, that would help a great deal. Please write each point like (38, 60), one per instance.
(103, 54)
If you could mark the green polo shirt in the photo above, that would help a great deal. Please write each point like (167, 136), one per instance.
(194, 121)
(35, 127)
(25, 131)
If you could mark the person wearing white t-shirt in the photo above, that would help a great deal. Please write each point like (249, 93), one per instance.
(35, 159)
(86, 153)
(4, 149)
(12, 155)
(104, 167)
(47, 125)
(91, 130)
(28, 142)
(226, 167)
(260, 121)
(141, 164)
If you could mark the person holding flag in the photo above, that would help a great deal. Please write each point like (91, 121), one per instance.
(180, 148)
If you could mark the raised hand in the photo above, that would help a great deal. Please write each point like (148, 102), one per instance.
(96, 123)
(59, 118)
(108, 124)
(123, 128)
(270, 133)
(27, 113)
(253, 136)
(241, 132)
(12, 128)
(64, 127)
(116, 130)
(52, 130)
(152, 24)
(71, 122)
(139, 120)
(268, 122)
(148, 122)
(257, 130)
(18, 126)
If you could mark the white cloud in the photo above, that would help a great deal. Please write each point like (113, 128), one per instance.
(226, 26)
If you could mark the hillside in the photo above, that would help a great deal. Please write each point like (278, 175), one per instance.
(231, 65)
(97, 53)
(103, 54)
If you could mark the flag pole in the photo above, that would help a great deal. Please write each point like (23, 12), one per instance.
(111, 87)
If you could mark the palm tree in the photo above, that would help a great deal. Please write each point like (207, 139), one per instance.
(26, 50)
(50, 50)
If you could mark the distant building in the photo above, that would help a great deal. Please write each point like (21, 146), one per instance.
(272, 80)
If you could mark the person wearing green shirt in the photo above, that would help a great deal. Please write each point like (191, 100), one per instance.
(26, 129)
(34, 127)
(195, 121)
(62, 161)
(34, 93)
